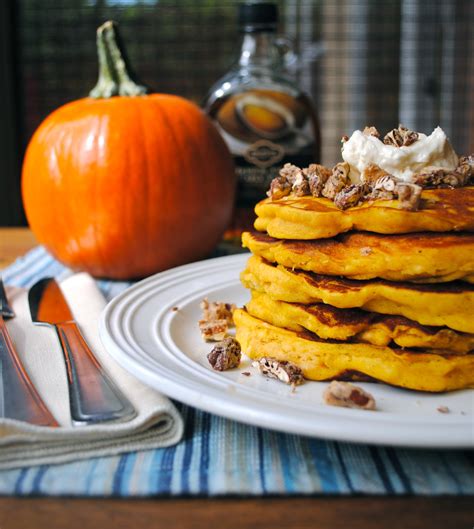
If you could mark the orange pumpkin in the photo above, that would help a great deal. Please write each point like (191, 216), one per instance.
(123, 184)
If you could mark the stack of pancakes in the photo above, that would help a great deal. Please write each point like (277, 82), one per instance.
(373, 292)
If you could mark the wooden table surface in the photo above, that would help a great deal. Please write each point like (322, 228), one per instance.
(320, 512)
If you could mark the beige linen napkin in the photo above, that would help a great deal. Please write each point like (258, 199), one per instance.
(157, 423)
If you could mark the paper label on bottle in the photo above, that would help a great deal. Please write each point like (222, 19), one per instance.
(264, 153)
(264, 129)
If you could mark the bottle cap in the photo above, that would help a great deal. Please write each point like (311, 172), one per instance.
(258, 16)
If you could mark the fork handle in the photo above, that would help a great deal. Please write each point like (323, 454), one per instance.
(93, 396)
(20, 399)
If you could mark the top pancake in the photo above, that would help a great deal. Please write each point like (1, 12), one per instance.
(305, 218)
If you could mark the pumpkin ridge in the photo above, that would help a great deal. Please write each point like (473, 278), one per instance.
(146, 182)
(188, 164)
(176, 149)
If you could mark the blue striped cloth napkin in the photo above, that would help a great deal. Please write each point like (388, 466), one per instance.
(222, 457)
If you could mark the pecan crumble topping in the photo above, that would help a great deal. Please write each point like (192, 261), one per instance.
(372, 173)
(371, 131)
(375, 183)
(317, 176)
(348, 395)
(283, 370)
(300, 186)
(401, 137)
(225, 355)
(350, 196)
(388, 188)
(461, 176)
(279, 188)
(290, 172)
(337, 181)
(409, 195)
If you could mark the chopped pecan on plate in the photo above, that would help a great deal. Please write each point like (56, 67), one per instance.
(283, 370)
(213, 331)
(216, 320)
(218, 310)
(225, 354)
(348, 395)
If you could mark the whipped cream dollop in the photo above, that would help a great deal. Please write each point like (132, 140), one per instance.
(362, 150)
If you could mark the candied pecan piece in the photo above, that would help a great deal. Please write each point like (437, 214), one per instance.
(436, 177)
(372, 173)
(300, 186)
(213, 330)
(386, 183)
(409, 195)
(217, 317)
(348, 395)
(290, 172)
(384, 188)
(466, 169)
(401, 137)
(225, 355)
(279, 188)
(371, 131)
(350, 196)
(283, 370)
(317, 176)
(218, 310)
(430, 176)
(337, 181)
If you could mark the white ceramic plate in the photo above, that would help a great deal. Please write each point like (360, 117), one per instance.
(163, 348)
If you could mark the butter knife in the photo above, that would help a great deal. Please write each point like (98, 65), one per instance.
(93, 396)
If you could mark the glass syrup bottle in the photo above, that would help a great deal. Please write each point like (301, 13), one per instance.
(265, 119)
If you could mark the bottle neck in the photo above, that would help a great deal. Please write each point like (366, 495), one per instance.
(259, 49)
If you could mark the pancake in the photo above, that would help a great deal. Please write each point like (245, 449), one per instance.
(304, 218)
(323, 360)
(443, 305)
(357, 325)
(424, 257)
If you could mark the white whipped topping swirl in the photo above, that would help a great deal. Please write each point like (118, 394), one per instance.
(362, 150)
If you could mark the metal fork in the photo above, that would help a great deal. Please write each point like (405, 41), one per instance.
(18, 397)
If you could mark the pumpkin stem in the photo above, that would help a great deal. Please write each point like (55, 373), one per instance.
(115, 77)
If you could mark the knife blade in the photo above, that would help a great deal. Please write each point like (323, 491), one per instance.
(93, 396)
(19, 398)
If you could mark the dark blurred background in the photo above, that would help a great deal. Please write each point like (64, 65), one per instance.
(362, 62)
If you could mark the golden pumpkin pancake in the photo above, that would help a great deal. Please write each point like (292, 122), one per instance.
(358, 325)
(325, 360)
(424, 257)
(308, 217)
(442, 305)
